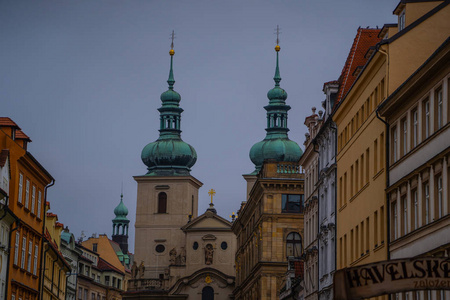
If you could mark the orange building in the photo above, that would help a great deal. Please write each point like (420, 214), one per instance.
(29, 181)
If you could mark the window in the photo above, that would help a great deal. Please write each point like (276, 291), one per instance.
(39, 204)
(439, 108)
(24, 250)
(439, 197)
(395, 218)
(85, 294)
(30, 250)
(375, 228)
(416, 209)
(394, 144)
(33, 198)
(19, 198)
(375, 156)
(27, 193)
(405, 215)
(94, 247)
(404, 136)
(415, 128)
(224, 245)
(80, 293)
(160, 248)
(162, 203)
(427, 202)
(426, 118)
(401, 21)
(92, 296)
(36, 252)
(292, 203)
(16, 249)
(293, 244)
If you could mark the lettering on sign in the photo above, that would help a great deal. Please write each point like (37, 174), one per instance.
(393, 276)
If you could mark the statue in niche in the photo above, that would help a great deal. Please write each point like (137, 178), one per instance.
(183, 255)
(209, 252)
(173, 256)
(134, 270)
(141, 270)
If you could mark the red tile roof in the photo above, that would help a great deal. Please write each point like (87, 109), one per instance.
(5, 121)
(22, 136)
(364, 39)
(106, 266)
(3, 156)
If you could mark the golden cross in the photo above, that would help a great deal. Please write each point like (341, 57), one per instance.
(173, 37)
(212, 192)
(278, 34)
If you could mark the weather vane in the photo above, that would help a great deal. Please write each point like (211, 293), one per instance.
(212, 192)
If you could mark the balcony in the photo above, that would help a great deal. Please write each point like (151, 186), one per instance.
(144, 284)
(274, 169)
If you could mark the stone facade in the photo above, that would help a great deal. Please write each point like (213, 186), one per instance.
(269, 231)
(71, 254)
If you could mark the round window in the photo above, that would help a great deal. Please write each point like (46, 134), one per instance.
(195, 246)
(160, 248)
(224, 245)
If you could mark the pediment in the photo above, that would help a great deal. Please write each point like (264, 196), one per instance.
(208, 221)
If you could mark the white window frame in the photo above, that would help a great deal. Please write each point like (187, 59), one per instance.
(401, 20)
(16, 249)
(39, 204)
(30, 251)
(405, 136)
(427, 203)
(33, 198)
(27, 193)
(440, 117)
(20, 195)
(395, 221)
(24, 251)
(416, 210)
(415, 128)
(405, 214)
(394, 137)
(36, 252)
(427, 119)
(440, 197)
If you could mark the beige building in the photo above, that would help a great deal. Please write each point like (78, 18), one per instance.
(417, 114)
(178, 254)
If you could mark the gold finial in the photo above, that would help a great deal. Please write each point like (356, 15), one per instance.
(277, 47)
(172, 52)
(212, 192)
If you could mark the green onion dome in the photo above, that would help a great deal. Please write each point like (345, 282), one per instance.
(276, 145)
(169, 155)
(121, 211)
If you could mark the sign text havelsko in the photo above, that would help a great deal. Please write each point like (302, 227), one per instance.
(386, 277)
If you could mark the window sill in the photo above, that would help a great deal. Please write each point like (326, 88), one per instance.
(379, 247)
(378, 174)
(359, 192)
(342, 207)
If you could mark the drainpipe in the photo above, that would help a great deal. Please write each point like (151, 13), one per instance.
(41, 280)
(9, 251)
(387, 156)
(53, 270)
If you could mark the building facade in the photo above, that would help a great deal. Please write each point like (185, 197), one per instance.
(269, 227)
(417, 115)
(29, 181)
(178, 254)
(71, 254)
(310, 163)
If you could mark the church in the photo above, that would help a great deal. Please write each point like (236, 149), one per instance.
(178, 254)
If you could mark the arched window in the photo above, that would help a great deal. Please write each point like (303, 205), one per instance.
(162, 203)
(293, 244)
(208, 293)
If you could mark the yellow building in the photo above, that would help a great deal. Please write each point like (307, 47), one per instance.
(55, 266)
(362, 208)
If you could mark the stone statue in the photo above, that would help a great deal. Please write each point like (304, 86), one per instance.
(183, 255)
(134, 270)
(141, 270)
(209, 252)
(173, 256)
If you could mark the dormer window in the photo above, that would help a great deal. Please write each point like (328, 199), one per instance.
(401, 21)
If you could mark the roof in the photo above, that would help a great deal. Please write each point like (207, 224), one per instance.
(364, 39)
(22, 136)
(103, 265)
(3, 157)
(5, 121)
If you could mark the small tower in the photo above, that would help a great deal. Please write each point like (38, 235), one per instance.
(120, 226)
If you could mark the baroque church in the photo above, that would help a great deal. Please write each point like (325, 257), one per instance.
(178, 254)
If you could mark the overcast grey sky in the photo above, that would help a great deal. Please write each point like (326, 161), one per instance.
(83, 80)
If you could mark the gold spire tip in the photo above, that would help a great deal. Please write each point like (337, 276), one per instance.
(277, 48)
(171, 52)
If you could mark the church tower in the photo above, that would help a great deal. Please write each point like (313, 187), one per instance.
(120, 226)
(167, 195)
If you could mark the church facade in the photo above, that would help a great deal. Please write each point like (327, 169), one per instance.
(178, 254)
